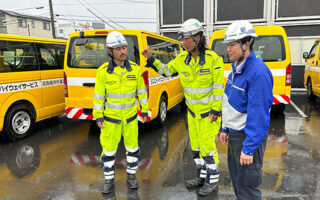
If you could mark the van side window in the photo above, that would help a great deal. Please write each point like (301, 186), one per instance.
(313, 50)
(95, 52)
(50, 56)
(17, 56)
(163, 50)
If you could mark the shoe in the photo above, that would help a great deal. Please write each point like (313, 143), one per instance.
(208, 188)
(195, 183)
(132, 181)
(107, 186)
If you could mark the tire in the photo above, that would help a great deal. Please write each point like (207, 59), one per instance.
(19, 122)
(310, 93)
(162, 113)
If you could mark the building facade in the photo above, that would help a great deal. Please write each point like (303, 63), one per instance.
(64, 29)
(21, 24)
(300, 19)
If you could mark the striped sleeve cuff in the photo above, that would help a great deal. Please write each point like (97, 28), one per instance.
(215, 113)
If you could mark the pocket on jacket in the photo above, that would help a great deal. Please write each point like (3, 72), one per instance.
(250, 175)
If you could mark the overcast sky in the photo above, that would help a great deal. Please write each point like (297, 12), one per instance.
(132, 14)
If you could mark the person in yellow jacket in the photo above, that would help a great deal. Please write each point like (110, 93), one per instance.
(201, 74)
(118, 85)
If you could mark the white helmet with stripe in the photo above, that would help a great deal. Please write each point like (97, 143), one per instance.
(238, 30)
(190, 28)
(116, 39)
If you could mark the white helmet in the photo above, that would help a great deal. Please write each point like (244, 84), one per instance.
(239, 30)
(190, 28)
(116, 39)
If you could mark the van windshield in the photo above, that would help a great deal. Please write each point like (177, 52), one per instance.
(94, 53)
(267, 48)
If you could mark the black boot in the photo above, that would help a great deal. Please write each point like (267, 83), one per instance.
(132, 181)
(195, 183)
(208, 188)
(107, 186)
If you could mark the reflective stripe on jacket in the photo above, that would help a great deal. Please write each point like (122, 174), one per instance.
(117, 90)
(202, 80)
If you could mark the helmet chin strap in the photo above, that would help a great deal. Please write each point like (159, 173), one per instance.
(197, 43)
(243, 50)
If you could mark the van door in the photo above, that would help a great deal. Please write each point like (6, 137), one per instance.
(165, 51)
(313, 64)
(50, 58)
(19, 75)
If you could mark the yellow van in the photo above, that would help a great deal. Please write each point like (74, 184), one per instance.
(86, 51)
(273, 48)
(312, 71)
(31, 82)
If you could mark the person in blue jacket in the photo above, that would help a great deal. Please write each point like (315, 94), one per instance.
(247, 101)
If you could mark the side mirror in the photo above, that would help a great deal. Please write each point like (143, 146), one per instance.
(81, 41)
(305, 55)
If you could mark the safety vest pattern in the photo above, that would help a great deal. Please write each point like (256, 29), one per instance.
(116, 92)
(202, 83)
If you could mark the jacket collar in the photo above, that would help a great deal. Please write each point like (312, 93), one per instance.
(112, 65)
(201, 61)
(250, 57)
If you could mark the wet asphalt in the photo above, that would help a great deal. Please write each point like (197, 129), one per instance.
(60, 160)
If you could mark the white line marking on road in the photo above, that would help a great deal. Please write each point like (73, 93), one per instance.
(298, 109)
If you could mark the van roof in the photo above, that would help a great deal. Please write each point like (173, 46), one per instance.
(260, 30)
(31, 39)
(123, 31)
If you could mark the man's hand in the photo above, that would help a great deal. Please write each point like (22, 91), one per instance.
(245, 159)
(101, 125)
(147, 53)
(143, 119)
(212, 117)
(223, 138)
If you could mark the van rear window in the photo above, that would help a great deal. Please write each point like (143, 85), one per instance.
(267, 48)
(94, 53)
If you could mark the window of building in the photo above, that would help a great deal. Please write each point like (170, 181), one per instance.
(61, 31)
(32, 24)
(46, 25)
(3, 22)
(22, 22)
(17, 56)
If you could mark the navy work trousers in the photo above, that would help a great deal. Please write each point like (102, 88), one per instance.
(246, 179)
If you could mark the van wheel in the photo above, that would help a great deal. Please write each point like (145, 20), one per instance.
(162, 114)
(310, 93)
(19, 122)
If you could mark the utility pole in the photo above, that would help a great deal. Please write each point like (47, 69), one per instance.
(52, 19)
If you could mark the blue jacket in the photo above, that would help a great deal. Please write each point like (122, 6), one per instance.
(247, 101)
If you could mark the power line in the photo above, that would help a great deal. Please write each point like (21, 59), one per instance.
(103, 15)
(96, 15)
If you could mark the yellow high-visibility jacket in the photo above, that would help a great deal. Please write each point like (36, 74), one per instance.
(202, 81)
(116, 91)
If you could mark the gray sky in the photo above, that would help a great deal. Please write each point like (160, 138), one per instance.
(132, 14)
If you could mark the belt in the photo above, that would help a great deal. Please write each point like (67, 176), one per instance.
(118, 121)
(203, 115)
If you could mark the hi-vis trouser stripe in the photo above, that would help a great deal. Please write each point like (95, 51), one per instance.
(162, 67)
(212, 169)
(200, 164)
(132, 159)
(108, 159)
